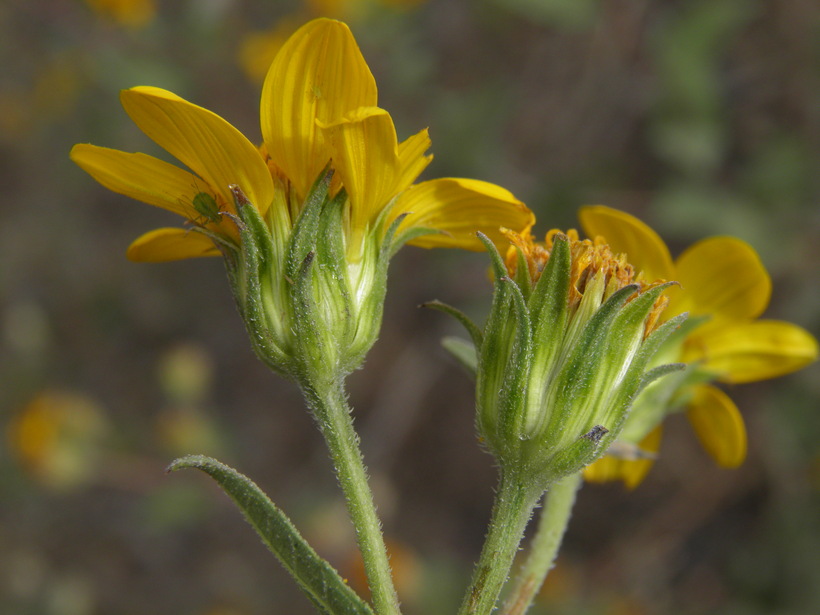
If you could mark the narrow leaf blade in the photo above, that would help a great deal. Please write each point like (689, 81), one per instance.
(315, 576)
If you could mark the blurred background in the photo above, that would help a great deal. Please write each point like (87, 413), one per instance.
(700, 117)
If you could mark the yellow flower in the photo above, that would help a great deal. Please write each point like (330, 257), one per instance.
(318, 103)
(571, 339)
(58, 438)
(129, 13)
(308, 220)
(725, 288)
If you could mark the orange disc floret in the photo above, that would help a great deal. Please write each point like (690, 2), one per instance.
(589, 258)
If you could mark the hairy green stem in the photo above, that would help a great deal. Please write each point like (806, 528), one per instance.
(513, 507)
(544, 548)
(330, 408)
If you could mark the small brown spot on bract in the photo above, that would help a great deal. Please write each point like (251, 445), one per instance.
(596, 433)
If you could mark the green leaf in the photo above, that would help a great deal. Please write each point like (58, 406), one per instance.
(304, 238)
(475, 333)
(549, 304)
(659, 336)
(492, 360)
(463, 351)
(499, 268)
(577, 379)
(585, 449)
(246, 274)
(659, 372)
(408, 235)
(331, 257)
(522, 274)
(622, 346)
(317, 578)
(634, 378)
(513, 391)
(550, 296)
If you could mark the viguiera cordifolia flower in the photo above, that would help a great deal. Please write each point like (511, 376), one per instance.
(566, 348)
(307, 221)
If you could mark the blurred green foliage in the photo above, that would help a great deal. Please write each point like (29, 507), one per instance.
(701, 117)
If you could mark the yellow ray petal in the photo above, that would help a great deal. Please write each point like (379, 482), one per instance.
(718, 425)
(206, 143)
(365, 154)
(318, 75)
(141, 177)
(750, 351)
(605, 470)
(723, 277)
(170, 244)
(458, 208)
(412, 159)
(631, 471)
(644, 248)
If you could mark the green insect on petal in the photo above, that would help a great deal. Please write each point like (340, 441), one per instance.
(206, 205)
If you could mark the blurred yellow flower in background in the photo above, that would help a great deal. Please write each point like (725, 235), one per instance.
(128, 13)
(184, 424)
(58, 437)
(185, 372)
(49, 94)
(725, 288)
(352, 9)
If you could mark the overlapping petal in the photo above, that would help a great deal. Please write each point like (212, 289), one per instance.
(210, 146)
(366, 155)
(718, 425)
(318, 77)
(318, 104)
(170, 244)
(413, 158)
(457, 208)
(140, 177)
(645, 250)
(721, 277)
(748, 351)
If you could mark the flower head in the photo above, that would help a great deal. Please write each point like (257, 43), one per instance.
(326, 199)
(565, 349)
(725, 288)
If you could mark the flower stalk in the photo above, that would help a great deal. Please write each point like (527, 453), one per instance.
(329, 406)
(306, 224)
(514, 503)
(552, 525)
(326, 341)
